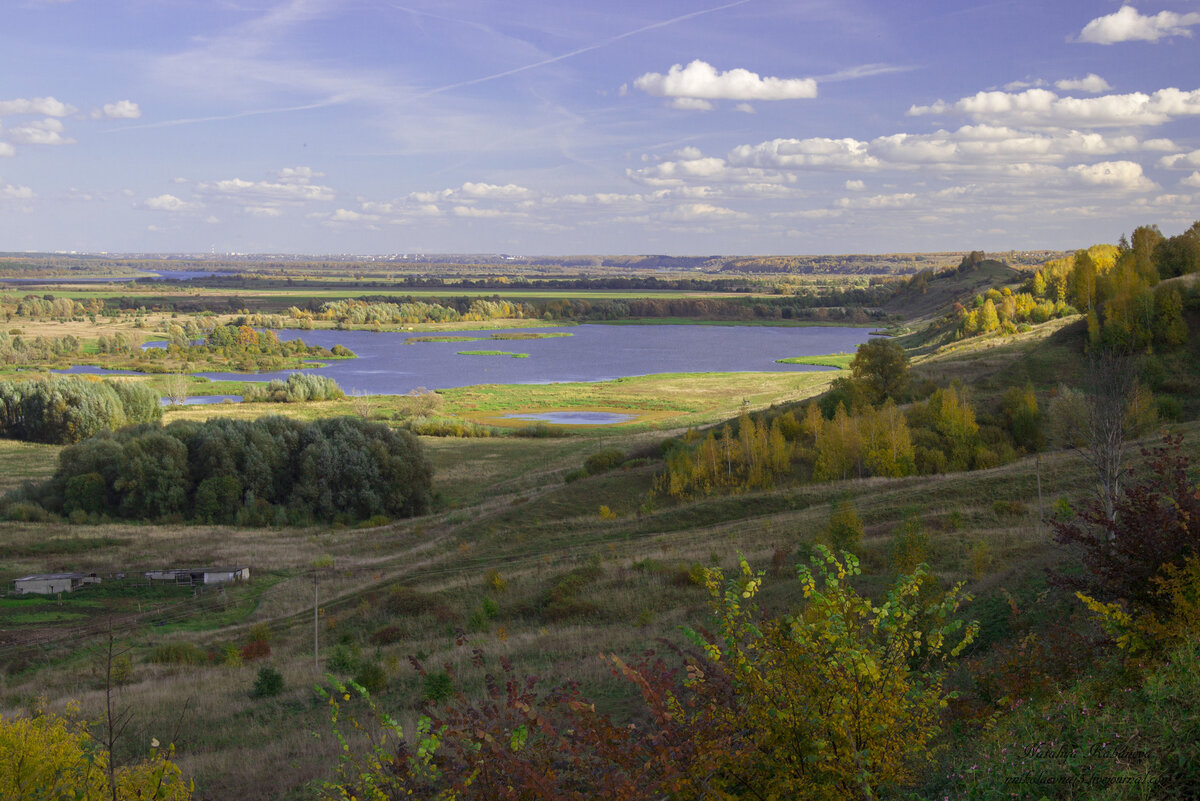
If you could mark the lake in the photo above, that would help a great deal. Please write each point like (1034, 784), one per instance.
(387, 366)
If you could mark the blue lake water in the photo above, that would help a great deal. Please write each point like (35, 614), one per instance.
(387, 366)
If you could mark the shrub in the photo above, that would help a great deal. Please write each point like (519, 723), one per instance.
(269, 682)
(178, 653)
(371, 677)
(386, 635)
(911, 546)
(845, 529)
(603, 461)
(437, 687)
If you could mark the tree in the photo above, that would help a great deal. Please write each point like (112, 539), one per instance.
(839, 699)
(880, 366)
(1152, 524)
(50, 757)
(1098, 421)
(845, 529)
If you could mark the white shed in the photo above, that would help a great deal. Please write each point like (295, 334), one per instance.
(53, 583)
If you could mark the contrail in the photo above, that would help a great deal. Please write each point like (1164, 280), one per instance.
(587, 48)
(254, 113)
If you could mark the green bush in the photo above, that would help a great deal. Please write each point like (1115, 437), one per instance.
(371, 677)
(603, 461)
(269, 682)
(178, 653)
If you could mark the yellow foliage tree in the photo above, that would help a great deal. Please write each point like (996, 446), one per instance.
(47, 757)
(840, 699)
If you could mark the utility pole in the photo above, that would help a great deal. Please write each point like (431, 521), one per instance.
(316, 662)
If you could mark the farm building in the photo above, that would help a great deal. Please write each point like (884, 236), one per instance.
(52, 583)
(200, 575)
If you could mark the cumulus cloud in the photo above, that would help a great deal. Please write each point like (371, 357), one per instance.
(1092, 83)
(121, 110)
(43, 106)
(745, 108)
(893, 201)
(1181, 160)
(6, 149)
(1192, 180)
(694, 212)
(45, 132)
(347, 215)
(1124, 175)
(168, 203)
(700, 80)
(1127, 25)
(797, 153)
(10, 192)
(1041, 107)
(493, 191)
(855, 185)
(292, 185)
(263, 211)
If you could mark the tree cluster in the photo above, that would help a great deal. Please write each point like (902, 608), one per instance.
(298, 388)
(270, 471)
(66, 410)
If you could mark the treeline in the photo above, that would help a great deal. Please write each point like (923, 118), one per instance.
(47, 307)
(244, 347)
(1119, 288)
(269, 471)
(856, 430)
(66, 410)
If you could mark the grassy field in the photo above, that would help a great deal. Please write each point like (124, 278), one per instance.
(838, 360)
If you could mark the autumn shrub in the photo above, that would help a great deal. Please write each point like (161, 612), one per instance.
(371, 676)
(845, 530)
(603, 461)
(387, 635)
(561, 601)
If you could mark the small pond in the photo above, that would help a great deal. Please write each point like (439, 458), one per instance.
(574, 418)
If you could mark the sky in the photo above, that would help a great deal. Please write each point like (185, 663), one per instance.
(681, 127)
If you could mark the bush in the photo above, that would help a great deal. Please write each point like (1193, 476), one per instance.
(269, 682)
(298, 388)
(178, 653)
(603, 461)
(845, 529)
(371, 677)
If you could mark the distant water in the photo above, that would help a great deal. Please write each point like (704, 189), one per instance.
(574, 418)
(203, 400)
(387, 366)
(157, 275)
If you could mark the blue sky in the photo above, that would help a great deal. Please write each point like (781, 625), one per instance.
(674, 126)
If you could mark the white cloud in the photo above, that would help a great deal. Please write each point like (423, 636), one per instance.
(472, 211)
(6, 149)
(855, 185)
(297, 175)
(263, 211)
(1093, 83)
(1181, 160)
(798, 153)
(168, 203)
(1127, 25)
(1192, 180)
(291, 187)
(745, 108)
(1013, 86)
(1041, 107)
(44, 106)
(892, 201)
(121, 110)
(701, 80)
(493, 191)
(1124, 175)
(692, 212)
(46, 132)
(10, 192)
(347, 215)
(691, 104)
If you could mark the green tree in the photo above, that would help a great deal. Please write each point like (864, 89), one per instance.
(845, 529)
(880, 367)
